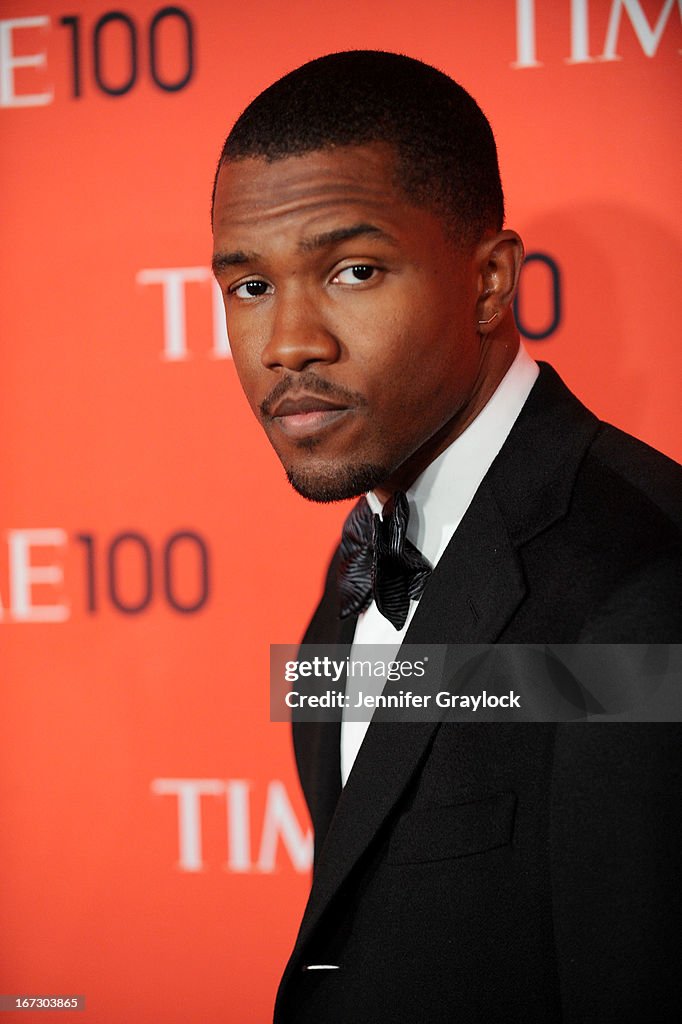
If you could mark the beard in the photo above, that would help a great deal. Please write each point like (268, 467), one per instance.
(337, 483)
(314, 478)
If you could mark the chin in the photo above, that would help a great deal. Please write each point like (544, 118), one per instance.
(336, 483)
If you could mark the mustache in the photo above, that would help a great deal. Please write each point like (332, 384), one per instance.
(310, 384)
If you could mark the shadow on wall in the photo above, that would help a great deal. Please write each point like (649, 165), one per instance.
(616, 345)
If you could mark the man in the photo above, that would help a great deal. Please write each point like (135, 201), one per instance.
(463, 873)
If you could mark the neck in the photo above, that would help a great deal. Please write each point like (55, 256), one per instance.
(498, 351)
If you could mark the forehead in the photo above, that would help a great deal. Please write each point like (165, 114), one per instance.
(252, 192)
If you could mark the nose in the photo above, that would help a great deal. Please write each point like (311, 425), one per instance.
(298, 335)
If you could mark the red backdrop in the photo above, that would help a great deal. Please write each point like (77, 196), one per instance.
(155, 848)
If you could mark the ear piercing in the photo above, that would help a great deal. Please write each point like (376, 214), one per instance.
(490, 319)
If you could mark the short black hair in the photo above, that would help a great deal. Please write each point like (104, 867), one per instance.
(446, 153)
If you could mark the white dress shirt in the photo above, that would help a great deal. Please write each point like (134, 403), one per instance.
(438, 501)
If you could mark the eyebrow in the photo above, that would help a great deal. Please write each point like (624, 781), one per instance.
(223, 260)
(337, 235)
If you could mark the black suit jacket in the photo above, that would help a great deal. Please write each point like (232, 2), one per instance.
(510, 872)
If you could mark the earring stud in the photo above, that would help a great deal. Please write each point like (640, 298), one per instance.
(490, 318)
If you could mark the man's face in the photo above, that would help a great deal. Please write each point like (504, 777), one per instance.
(351, 317)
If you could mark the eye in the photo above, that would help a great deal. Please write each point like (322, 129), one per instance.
(253, 289)
(357, 274)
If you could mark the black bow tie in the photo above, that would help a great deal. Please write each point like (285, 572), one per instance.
(378, 561)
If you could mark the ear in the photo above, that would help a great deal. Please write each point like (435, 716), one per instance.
(499, 261)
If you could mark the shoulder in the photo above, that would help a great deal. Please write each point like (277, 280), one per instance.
(630, 466)
(626, 493)
(629, 500)
(596, 518)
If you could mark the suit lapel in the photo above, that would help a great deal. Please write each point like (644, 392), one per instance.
(317, 744)
(477, 584)
(472, 593)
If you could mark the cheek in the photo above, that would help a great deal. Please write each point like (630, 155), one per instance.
(421, 348)
(432, 366)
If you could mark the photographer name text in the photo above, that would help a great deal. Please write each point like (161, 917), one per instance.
(402, 699)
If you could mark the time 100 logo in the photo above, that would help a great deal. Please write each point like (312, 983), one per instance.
(48, 571)
(115, 52)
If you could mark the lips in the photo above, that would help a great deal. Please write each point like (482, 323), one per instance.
(307, 415)
(305, 404)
